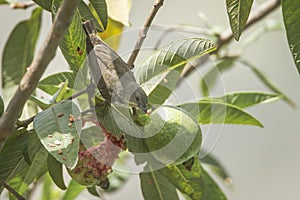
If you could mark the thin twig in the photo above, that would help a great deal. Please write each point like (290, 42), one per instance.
(37, 67)
(11, 190)
(261, 12)
(180, 28)
(224, 38)
(23, 5)
(143, 32)
(26, 122)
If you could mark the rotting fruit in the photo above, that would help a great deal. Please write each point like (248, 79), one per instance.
(95, 163)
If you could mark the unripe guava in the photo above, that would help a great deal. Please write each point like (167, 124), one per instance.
(173, 135)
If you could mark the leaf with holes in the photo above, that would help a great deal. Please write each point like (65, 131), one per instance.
(59, 128)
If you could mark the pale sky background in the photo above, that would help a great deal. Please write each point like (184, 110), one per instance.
(264, 163)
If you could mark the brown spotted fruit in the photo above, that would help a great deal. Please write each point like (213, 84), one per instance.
(95, 163)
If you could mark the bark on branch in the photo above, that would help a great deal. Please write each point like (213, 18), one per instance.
(143, 32)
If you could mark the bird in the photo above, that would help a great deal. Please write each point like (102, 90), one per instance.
(112, 76)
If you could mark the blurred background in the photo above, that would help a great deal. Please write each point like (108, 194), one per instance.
(263, 162)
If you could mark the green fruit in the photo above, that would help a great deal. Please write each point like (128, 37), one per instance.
(173, 136)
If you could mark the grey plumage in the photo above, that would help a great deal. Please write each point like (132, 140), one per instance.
(111, 74)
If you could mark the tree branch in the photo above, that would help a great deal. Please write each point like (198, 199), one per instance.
(11, 190)
(143, 32)
(36, 69)
(23, 5)
(224, 38)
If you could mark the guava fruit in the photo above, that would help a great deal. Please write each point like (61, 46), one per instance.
(173, 136)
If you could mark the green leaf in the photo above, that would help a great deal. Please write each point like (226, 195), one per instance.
(55, 171)
(93, 191)
(291, 13)
(156, 186)
(74, 189)
(72, 45)
(58, 134)
(215, 166)
(61, 93)
(116, 119)
(211, 189)
(45, 4)
(53, 82)
(47, 192)
(161, 87)
(12, 158)
(3, 2)
(41, 102)
(24, 178)
(86, 14)
(210, 78)
(1, 106)
(99, 8)
(16, 60)
(186, 181)
(268, 83)
(160, 72)
(245, 99)
(11, 155)
(238, 13)
(210, 112)
(172, 56)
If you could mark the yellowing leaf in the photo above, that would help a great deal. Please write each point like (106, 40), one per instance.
(112, 34)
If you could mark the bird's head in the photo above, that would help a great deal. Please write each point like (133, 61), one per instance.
(139, 99)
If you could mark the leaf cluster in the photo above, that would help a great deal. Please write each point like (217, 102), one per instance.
(38, 153)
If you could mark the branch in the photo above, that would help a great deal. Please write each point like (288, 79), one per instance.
(224, 38)
(11, 190)
(23, 5)
(28, 121)
(143, 32)
(36, 69)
